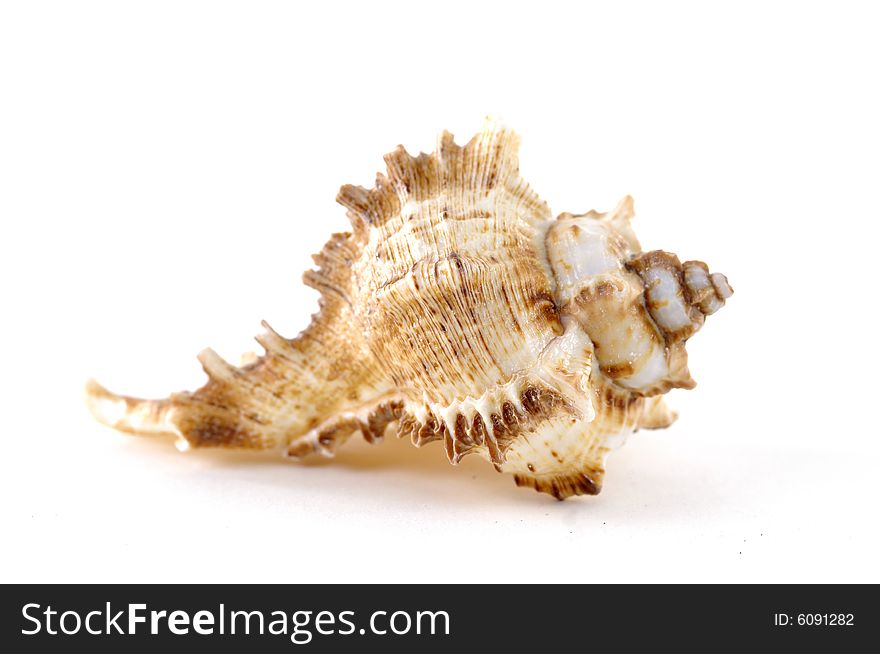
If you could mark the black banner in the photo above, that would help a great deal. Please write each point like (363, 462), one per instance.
(104, 618)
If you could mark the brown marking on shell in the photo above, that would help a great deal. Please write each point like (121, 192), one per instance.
(300, 449)
(588, 482)
(380, 418)
(603, 289)
(460, 449)
(699, 295)
(496, 446)
(408, 427)
(545, 310)
(478, 430)
(327, 440)
(541, 402)
(430, 430)
(461, 434)
(614, 397)
(219, 430)
(618, 370)
(332, 436)
(509, 414)
(498, 425)
(531, 400)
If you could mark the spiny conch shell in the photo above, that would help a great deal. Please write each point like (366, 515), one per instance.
(458, 310)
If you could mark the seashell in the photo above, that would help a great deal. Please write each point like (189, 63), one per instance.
(458, 310)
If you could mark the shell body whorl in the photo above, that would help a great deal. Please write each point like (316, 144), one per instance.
(457, 309)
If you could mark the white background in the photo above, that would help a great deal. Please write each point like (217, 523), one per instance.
(167, 168)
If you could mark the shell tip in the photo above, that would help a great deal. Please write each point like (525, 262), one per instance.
(106, 407)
